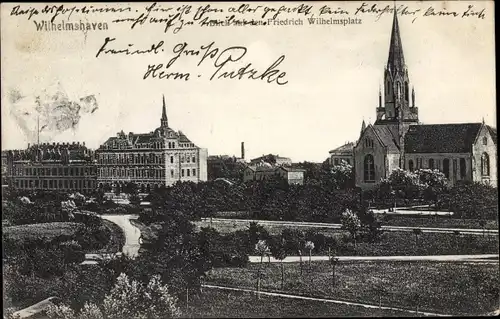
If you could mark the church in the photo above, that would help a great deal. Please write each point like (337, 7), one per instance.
(397, 139)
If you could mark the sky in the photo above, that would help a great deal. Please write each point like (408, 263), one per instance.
(333, 73)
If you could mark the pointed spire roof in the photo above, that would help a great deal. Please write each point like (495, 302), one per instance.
(396, 60)
(164, 110)
(363, 126)
(164, 119)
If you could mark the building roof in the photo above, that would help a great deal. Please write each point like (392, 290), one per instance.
(396, 60)
(183, 138)
(441, 138)
(386, 137)
(493, 132)
(290, 169)
(346, 148)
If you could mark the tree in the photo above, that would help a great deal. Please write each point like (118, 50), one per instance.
(370, 225)
(350, 222)
(261, 248)
(417, 232)
(333, 261)
(343, 175)
(278, 251)
(457, 236)
(433, 183)
(127, 299)
(309, 245)
(294, 242)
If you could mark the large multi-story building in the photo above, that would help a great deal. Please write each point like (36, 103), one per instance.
(150, 160)
(56, 166)
(397, 139)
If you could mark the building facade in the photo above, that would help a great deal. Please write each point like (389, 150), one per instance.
(267, 171)
(344, 153)
(56, 167)
(463, 152)
(150, 160)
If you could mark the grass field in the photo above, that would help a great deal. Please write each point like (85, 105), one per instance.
(214, 303)
(44, 231)
(391, 243)
(449, 288)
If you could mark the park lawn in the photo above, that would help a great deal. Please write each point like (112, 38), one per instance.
(405, 244)
(43, 231)
(391, 243)
(386, 220)
(447, 288)
(214, 303)
(437, 222)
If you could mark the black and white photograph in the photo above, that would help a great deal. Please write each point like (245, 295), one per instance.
(249, 159)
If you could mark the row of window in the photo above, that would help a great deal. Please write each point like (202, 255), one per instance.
(153, 145)
(55, 184)
(142, 173)
(54, 171)
(458, 166)
(141, 158)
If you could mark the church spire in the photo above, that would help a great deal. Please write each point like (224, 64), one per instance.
(396, 60)
(164, 119)
(363, 127)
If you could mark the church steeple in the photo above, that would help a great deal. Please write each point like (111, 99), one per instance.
(164, 119)
(396, 60)
(397, 106)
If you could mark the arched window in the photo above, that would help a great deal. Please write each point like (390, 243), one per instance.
(446, 167)
(485, 140)
(410, 165)
(369, 168)
(463, 169)
(431, 163)
(485, 165)
(407, 95)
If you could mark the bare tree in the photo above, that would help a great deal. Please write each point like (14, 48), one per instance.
(309, 245)
(262, 249)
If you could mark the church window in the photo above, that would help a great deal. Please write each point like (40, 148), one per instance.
(410, 165)
(407, 97)
(446, 167)
(485, 140)
(182, 172)
(431, 163)
(485, 164)
(455, 170)
(188, 172)
(462, 168)
(194, 171)
(194, 159)
(171, 159)
(171, 173)
(369, 168)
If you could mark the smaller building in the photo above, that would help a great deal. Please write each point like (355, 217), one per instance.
(271, 159)
(343, 153)
(267, 171)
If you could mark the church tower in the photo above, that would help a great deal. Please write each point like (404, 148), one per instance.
(398, 111)
(164, 119)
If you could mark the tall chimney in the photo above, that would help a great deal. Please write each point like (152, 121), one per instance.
(243, 150)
